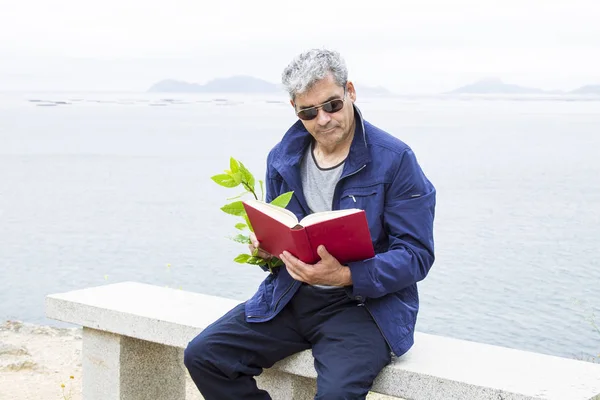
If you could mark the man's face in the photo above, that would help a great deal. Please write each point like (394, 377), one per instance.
(328, 129)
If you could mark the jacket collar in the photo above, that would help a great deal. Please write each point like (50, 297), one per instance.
(294, 144)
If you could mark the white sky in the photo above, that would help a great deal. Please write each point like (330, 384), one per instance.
(419, 46)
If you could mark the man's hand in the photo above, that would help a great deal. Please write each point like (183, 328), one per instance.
(254, 244)
(328, 271)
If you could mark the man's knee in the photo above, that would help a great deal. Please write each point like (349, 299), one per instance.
(197, 353)
(211, 346)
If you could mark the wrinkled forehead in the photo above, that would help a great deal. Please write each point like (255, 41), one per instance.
(321, 92)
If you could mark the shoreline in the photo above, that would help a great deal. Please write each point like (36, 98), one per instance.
(35, 360)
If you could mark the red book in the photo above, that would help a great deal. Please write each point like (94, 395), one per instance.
(344, 233)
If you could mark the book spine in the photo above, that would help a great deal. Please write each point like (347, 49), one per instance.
(304, 250)
(313, 249)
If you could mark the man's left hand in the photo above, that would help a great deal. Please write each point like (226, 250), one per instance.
(328, 271)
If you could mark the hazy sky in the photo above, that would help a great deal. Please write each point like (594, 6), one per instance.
(415, 46)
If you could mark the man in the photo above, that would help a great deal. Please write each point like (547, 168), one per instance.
(351, 315)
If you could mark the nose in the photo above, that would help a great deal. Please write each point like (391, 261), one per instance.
(323, 118)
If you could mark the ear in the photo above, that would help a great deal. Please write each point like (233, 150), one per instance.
(292, 103)
(351, 91)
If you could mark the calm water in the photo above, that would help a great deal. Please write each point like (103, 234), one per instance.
(110, 188)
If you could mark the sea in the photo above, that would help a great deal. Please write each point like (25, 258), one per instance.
(98, 188)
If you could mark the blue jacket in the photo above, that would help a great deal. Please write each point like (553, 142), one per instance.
(381, 176)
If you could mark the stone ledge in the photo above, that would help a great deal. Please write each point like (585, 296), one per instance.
(435, 368)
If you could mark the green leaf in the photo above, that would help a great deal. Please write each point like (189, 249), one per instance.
(235, 208)
(276, 262)
(234, 166)
(256, 261)
(282, 200)
(241, 239)
(242, 258)
(247, 176)
(237, 177)
(225, 180)
(262, 190)
(241, 226)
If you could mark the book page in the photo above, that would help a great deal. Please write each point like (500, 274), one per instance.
(326, 216)
(281, 214)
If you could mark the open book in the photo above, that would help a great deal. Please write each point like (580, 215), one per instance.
(344, 233)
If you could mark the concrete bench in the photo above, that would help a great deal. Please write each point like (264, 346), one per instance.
(134, 335)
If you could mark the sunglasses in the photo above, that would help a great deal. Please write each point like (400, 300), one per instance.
(330, 107)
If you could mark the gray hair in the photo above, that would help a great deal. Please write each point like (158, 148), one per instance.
(309, 67)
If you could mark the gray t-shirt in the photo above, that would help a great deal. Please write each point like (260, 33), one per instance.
(318, 185)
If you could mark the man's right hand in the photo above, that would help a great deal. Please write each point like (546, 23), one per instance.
(255, 244)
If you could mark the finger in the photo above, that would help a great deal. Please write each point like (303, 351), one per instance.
(254, 241)
(293, 271)
(297, 266)
(284, 261)
(323, 253)
(292, 259)
(283, 258)
(257, 252)
(263, 254)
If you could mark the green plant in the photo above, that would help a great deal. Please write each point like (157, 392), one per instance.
(592, 321)
(238, 175)
(67, 395)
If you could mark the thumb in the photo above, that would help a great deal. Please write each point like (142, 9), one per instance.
(254, 240)
(323, 253)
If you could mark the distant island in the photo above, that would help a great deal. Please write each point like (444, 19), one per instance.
(250, 85)
(235, 84)
(587, 89)
(497, 86)
(243, 84)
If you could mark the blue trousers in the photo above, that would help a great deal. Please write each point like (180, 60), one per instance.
(348, 348)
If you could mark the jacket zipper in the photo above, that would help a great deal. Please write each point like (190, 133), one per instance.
(363, 304)
(276, 303)
(376, 323)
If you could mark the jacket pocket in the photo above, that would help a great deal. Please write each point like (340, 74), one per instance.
(371, 200)
(360, 193)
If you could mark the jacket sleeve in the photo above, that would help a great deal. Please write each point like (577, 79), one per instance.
(408, 220)
(270, 190)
